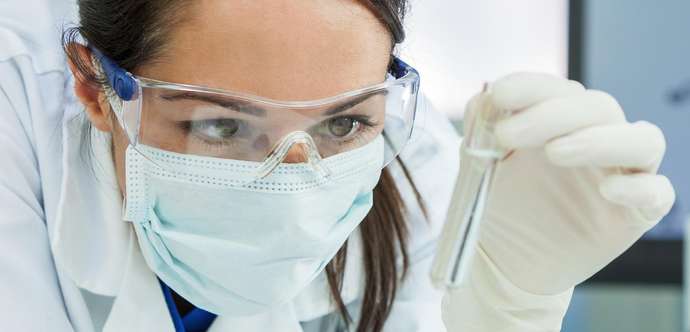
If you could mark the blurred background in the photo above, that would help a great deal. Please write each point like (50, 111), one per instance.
(636, 50)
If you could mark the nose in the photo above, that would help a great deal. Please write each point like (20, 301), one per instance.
(297, 147)
(298, 153)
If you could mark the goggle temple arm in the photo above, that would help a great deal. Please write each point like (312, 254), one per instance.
(399, 68)
(121, 81)
(125, 87)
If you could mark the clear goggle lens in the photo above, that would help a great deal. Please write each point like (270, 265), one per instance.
(205, 122)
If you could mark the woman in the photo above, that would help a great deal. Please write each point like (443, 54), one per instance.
(250, 148)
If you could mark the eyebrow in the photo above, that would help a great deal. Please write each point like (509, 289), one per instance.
(354, 102)
(233, 104)
(247, 107)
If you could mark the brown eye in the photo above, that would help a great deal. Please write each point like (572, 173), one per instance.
(342, 126)
(216, 129)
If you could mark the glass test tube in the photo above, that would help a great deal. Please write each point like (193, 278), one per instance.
(479, 154)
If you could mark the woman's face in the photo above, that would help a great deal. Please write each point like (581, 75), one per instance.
(279, 49)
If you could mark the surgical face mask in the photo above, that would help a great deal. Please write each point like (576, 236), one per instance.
(238, 249)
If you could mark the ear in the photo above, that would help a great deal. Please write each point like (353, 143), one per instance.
(90, 94)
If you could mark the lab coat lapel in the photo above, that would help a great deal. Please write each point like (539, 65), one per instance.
(280, 319)
(139, 305)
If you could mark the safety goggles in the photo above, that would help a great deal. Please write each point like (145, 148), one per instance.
(207, 122)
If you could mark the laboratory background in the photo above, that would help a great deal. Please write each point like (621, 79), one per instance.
(636, 50)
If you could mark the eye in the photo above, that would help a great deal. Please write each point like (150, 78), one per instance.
(342, 126)
(215, 129)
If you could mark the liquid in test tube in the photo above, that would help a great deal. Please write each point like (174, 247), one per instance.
(479, 154)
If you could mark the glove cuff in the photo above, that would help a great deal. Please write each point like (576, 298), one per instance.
(489, 301)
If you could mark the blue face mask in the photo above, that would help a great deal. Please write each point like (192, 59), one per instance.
(233, 248)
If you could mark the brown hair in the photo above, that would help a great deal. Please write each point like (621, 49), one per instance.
(122, 29)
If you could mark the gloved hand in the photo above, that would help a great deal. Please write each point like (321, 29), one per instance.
(579, 187)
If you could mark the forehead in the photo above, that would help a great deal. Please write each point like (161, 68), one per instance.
(279, 49)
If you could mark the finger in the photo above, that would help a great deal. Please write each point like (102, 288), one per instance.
(651, 194)
(555, 117)
(637, 146)
(520, 90)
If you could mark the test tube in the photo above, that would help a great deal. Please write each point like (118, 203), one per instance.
(479, 154)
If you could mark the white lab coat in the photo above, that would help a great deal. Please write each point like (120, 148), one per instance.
(68, 261)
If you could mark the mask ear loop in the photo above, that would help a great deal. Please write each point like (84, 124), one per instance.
(283, 147)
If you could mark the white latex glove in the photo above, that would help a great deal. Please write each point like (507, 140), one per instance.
(579, 188)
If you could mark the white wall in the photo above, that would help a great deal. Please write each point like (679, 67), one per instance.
(458, 44)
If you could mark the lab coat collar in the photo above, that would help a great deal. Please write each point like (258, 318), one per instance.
(89, 239)
(140, 305)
